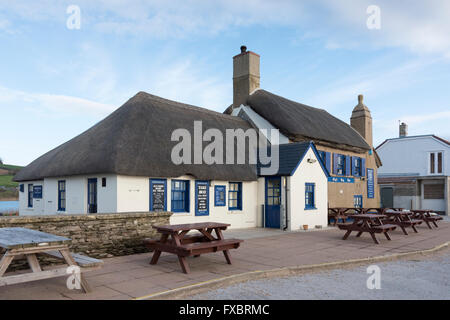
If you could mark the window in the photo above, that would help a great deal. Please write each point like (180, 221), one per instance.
(309, 196)
(326, 159)
(62, 195)
(22, 188)
(273, 192)
(30, 196)
(358, 166)
(323, 156)
(340, 165)
(219, 196)
(235, 196)
(358, 201)
(436, 163)
(103, 182)
(180, 195)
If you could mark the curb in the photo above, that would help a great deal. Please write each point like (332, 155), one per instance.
(201, 287)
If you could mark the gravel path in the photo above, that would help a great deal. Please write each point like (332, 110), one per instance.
(408, 279)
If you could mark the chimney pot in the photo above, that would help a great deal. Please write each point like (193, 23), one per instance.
(243, 49)
(360, 98)
(403, 130)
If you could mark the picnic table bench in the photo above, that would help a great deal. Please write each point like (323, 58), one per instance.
(339, 213)
(427, 217)
(402, 219)
(184, 245)
(370, 223)
(26, 243)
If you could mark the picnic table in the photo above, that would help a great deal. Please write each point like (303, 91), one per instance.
(403, 219)
(339, 213)
(366, 222)
(184, 245)
(26, 243)
(425, 215)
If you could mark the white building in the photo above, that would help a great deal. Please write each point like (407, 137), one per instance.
(415, 172)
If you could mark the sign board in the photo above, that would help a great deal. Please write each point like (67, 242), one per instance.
(370, 184)
(158, 195)
(37, 192)
(219, 196)
(341, 179)
(201, 198)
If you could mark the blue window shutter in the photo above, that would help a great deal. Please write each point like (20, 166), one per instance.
(335, 163)
(328, 161)
(363, 167)
(347, 166)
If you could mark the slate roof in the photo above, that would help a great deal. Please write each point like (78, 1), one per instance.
(135, 140)
(299, 122)
(291, 154)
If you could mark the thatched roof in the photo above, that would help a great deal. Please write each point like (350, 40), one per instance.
(300, 122)
(135, 140)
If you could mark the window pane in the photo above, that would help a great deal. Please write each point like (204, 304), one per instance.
(431, 162)
(439, 156)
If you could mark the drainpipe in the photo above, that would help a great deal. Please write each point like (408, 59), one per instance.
(285, 203)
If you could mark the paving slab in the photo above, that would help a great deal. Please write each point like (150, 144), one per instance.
(131, 276)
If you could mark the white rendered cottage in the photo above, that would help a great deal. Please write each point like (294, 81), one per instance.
(123, 164)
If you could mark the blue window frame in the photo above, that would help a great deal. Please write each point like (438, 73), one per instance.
(358, 201)
(180, 196)
(201, 198)
(341, 165)
(219, 196)
(235, 196)
(30, 195)
(310, 196)
(356, 166)
(158, 195)
(22, 187)
(62, 195)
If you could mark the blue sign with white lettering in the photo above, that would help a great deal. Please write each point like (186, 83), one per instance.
(37, 192)
(370, 184)
(219, 196)
(341, 179)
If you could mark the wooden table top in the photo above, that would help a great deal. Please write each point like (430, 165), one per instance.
(191, 226)
(11, 238)
(367, 216)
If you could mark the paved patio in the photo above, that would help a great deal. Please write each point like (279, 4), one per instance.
(132, 277)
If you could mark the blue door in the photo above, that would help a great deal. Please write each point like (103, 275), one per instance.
(273, 202)
(201, 198)
(92, 195)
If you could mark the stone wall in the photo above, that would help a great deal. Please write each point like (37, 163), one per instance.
(99, 235)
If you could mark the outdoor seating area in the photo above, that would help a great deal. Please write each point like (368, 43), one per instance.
(19, 243)
(184, 245)
(380, 220)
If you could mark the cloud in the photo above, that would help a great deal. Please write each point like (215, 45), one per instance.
(52, 104)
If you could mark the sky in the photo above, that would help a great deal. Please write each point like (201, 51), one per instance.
(57, 80)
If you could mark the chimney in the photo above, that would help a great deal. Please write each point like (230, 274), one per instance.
(361, 120)
(245, 75)
(403, 130)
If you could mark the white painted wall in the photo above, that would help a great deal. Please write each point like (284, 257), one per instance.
(410, 156)
(311, 173)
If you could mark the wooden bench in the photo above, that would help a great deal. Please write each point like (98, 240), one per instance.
(427, 217)
(84, 262)
(370, 223)
(184, 245)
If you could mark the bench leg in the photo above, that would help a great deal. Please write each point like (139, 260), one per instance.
(387, 235)
(414, 228)
(33, 262)
(359, 234)
(155, 257)
(404, 230)
(347, 234)
(435, 224)
(184, 265)
(4, 263)
(428, 224)
(374, 238)
(71, 262)
(227, 255)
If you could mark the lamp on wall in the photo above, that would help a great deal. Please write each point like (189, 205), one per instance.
(310, 160)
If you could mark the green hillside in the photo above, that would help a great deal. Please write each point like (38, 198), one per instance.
(8, 188)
